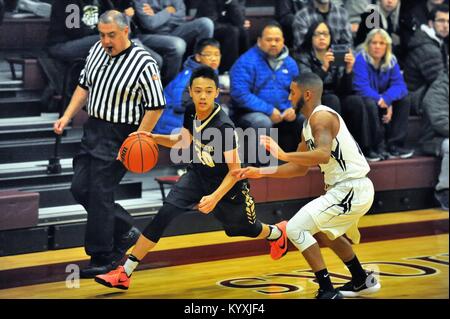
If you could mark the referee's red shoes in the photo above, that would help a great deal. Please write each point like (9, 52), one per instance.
(116, 278)
(279, 247)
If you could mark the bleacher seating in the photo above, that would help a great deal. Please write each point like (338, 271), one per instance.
(26, 135)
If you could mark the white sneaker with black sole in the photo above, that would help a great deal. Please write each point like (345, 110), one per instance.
(370, 286)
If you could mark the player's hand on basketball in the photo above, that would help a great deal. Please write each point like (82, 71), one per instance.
(60, 124)
(247, 172)
(208, 203)
(273, 147)
(141, 132)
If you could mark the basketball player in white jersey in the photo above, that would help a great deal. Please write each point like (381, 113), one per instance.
(326, 142)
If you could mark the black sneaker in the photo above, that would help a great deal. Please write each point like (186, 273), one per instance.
(127, 241)
(400, 152)
(373, 156)
(329, 294)
(99, 265)
(370, 286)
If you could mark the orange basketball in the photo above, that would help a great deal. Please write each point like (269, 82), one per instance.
(139, 153)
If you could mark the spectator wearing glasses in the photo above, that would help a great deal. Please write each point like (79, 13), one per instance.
(317, 56)
(207, 52)
(427, 55)
(322, 10)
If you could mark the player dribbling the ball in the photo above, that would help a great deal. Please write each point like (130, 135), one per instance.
(208, 184)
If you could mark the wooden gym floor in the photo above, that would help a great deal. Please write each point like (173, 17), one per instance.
(409, 252)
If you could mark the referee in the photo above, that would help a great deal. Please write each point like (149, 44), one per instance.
(121, 85)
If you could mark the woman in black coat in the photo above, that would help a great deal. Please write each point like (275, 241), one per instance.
(317, 56)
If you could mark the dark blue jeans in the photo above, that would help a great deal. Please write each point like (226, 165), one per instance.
(75, 49)
(173, 46)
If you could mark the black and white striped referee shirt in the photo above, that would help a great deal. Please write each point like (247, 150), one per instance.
(123, 87)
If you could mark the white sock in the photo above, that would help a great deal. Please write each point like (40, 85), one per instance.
(130, 265)
(275, 233)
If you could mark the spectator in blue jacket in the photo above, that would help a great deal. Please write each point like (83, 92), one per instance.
(260, 86)
(168, 32)
(207, 52)
(377, 78)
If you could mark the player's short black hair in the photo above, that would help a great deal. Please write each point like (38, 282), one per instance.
(204, 72)
(203, 43)
(439, 8)
(309, 81)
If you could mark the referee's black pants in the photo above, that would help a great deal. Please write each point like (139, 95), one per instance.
(97, 175)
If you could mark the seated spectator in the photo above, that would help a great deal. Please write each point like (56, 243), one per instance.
(435, 126)
(422, 10)
(427, 55)
(285, 11)
(317, 56)
(354, 9)
(322, 11)
(126, 7)
(39, 8)
(260, 86)
(207, 52)
(169, 33)
(385, 14)
(73, 28)
(229, 27)
(379, 81)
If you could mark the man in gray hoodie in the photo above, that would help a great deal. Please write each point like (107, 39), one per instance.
(427, 55)
(168, 31)
(435, 131)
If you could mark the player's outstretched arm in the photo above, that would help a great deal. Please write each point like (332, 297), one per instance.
(287, 170)
(324, 126)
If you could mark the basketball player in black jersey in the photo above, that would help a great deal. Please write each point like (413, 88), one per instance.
(208, 185)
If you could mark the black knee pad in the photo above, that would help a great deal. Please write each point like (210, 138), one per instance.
(248, 230)
(159, 223)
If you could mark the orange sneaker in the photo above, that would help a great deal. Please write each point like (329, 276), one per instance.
(116, 278)
(279, 247)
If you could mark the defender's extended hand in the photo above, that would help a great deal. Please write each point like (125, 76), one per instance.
(247, 172)
(272, 146)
